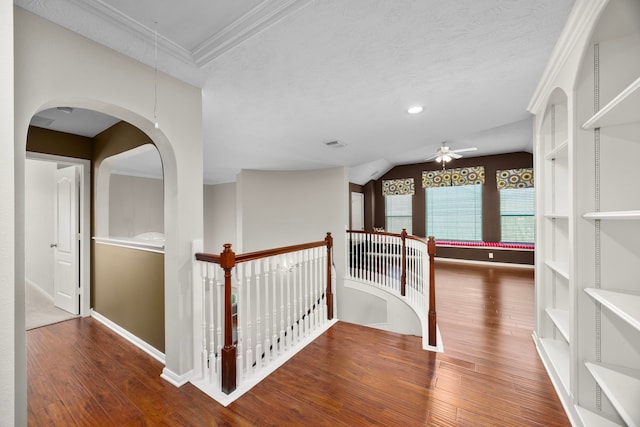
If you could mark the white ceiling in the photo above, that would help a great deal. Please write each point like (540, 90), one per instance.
(282, 77)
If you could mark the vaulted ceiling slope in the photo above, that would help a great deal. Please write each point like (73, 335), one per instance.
(281, 78)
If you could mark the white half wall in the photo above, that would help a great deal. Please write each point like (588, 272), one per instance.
(56, 67)
(39, 223)
(219, 217)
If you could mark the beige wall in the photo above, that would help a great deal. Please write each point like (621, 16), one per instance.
(13, 363)
(287, 208)
(219, 217)
(129, 291)
(39, 223)
(136, 205)
(88, 75)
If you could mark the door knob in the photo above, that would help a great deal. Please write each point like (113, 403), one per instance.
(53, 245)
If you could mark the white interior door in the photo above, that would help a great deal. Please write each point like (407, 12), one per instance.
(66, 270)
(357, 211)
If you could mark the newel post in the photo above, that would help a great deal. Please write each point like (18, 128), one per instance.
(431, 248)
(227, 262)
(329, 293)
(403, 277)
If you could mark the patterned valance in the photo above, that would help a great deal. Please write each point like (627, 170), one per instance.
(392, 187)
(453, 177)
(514, 178)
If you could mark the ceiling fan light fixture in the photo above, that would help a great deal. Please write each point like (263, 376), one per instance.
(416, 109)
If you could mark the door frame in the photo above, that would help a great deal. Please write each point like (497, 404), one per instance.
(361, 213)
(85, 222)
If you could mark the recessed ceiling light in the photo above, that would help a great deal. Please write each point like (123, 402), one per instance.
(415, 110)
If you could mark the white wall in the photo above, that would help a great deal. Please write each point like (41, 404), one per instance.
(136, 205)
(288, 208)
(219, 217)
(39, 199)
(13, 373)
(54, 67)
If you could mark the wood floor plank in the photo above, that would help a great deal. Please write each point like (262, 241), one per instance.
(82, 374)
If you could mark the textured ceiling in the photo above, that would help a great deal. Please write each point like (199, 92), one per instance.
(285, 79)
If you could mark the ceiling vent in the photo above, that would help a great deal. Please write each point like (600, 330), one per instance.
(41, 122)
(335, 144)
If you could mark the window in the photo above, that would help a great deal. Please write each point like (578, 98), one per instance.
(517, 221)
(454, 213)
(398, 213)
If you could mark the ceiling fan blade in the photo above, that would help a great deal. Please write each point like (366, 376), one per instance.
(428, 159)
(454, 155)
(464, 150)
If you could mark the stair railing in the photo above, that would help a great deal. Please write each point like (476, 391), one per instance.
(401, 264)
(260, 305)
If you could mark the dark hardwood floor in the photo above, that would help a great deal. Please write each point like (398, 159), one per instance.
(82, 374)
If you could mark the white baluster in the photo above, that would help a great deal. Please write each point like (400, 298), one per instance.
(241, 316)
(249, 315)
(281, 274)
(289, 321)
(204, 356)
(257, 264)
(307, 297)
(274, 312)
(267, 323)
(211, 269)
(323, 285)
(294, 279)
(313, 283)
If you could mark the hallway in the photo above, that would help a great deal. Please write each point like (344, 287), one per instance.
(80, 373)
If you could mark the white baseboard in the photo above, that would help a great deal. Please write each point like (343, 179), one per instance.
(147, 348)
(175, 379)
(487, 263)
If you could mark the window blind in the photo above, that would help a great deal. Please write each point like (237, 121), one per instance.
(454, 213)
(517, 215)
(398, 213)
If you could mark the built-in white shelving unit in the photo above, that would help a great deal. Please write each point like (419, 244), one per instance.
(625, 305)
(587, 149)
(558, 267)
(618, 215)
(560, 319)
(621, 110)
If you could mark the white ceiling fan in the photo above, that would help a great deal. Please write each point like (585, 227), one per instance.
(445, 154)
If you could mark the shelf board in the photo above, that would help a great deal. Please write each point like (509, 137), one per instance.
(560, 318)
(556, 216)
(613, 215)
(622, 387)
(562, 268)
(623, 109)
(561, 151)
(590, 418)
(558, 353)
(625, 305)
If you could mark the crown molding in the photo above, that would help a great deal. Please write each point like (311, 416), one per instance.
(134, 28)
(248, 25)
(572, 41)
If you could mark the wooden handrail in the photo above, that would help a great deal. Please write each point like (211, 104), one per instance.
(250, 256)
(227, 260)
